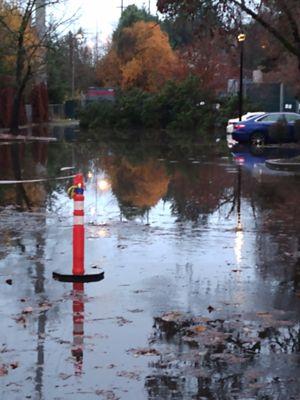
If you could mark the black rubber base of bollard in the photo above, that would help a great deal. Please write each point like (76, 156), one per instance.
(78, 278)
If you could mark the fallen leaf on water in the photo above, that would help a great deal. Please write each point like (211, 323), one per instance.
(229, 358)
(64, 376)
(252, 375)
(106, 394)
(21, 319)
(27, 310)
(122, 321)
(189, 339)
(171, 316)
(129, 374)
(263, 314)
(140, 291)
(200, 320)
(144, 352)
(3, 370)
(44, 306)
(257, 385)
(280, 323)
(199, 328)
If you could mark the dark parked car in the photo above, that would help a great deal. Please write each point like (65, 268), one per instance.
(266, 128)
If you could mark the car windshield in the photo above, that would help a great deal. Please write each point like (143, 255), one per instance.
(272, 117)
(252, 116)
(292, 117)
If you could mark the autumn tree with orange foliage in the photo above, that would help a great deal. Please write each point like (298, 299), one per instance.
(152, 61)
(142, 57)
(23, 47)
(108, 68)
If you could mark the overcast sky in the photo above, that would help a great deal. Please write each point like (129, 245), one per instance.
(99, 15)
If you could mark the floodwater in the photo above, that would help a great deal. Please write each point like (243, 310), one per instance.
(201, 254)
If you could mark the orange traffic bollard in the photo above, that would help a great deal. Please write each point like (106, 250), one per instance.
(78, 226)
(76, 192)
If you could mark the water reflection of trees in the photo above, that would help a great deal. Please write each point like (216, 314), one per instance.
(139, 186)
(224, 359)
(16, 166)
(276, 200)
(20, 161)
(194, 190)
(39, 290)
(139, 178)
(26, 161)
(198, 190)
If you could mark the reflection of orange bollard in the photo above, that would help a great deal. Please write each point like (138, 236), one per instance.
(76, 192)
(78, 326)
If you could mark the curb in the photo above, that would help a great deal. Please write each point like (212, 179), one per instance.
(283, 165)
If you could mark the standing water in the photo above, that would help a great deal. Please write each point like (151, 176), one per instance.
(201, 254)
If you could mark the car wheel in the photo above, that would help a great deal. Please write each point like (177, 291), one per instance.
(258, 139)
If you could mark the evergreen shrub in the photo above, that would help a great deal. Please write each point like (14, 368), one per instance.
(178, 106)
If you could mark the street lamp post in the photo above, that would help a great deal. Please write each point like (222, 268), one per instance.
(241, 38)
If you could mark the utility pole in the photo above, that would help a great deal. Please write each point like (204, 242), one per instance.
(40, 22)
(281, 97)
(40, 17)
(121, 7)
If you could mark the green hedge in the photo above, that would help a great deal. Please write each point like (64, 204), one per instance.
(178, 106)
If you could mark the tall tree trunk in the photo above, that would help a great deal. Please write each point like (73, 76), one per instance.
(15, 115)
(21, 76)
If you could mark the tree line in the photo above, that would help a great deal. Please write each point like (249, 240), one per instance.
(194, 39)
(190, 39)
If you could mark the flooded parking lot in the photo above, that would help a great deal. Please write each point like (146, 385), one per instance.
(201, 255)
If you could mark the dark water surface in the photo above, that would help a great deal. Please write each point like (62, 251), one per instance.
(201, 253)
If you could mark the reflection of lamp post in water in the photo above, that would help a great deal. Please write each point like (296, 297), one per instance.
(241, 38)
(239, 190)
(239, 240)
(101, 184)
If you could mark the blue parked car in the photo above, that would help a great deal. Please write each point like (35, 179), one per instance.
(256, 130)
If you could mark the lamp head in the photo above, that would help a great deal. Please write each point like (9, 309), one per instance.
(241, 37)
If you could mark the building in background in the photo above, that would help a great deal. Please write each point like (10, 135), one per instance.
(270, 97)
